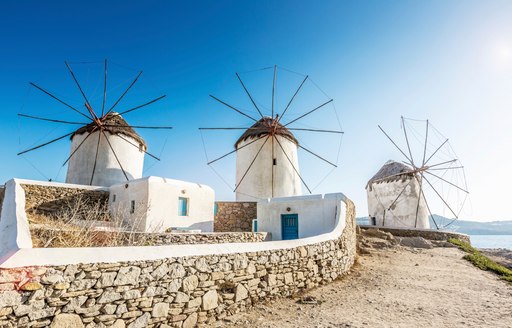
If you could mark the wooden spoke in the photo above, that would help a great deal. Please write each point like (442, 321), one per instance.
(425, 147)
(80, 145)
(316, 130)
(227, 128)
(320, 157)
(446, 168)
(96, 157)
(435, 151)
(250, 165)
(46, 143)
(233, 151)
(124, 93)
(439, 195)
(134, 145)
(79, 88)
(138, 126)
(234, 108)
(61, 101)
(250, 97)
(448, 182)
(410, 161)
(115, 155)
(273, 89)
(104, 95)
(311, 111)
(51, 120)
(439, 164)
(293, 166)
(407, 142)
(293, 97)
(143, 105)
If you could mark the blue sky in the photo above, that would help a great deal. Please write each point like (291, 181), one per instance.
(446, 61)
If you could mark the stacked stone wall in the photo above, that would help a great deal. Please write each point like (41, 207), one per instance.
(178, 292)
(234, 216)
(53, 201)
(424, 233)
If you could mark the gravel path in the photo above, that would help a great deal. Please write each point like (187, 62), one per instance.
(396, 287)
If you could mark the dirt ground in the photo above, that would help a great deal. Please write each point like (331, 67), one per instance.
(396, 287)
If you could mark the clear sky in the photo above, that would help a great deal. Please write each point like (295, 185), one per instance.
(446, 61)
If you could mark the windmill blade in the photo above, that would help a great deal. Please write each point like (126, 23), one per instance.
(446, 168)
(436, 151)
(448, 182)
(410, 161)
(439, 195)
(234, 108)
(250, 97)
(124, 93)
(293, 97)
(323, 159)
(273, 158)
(407, 142)
(316, 130)
(61, 101)
(115, 155)
(79, 87)
(140, 106)
(134, 145)
(226, 128)
(80, 145)
(104, 97)
(45, 144)
(443, 163)
(293, 166)
(428, 207)
(273, 89)
(138, 126)
(311, 111)
(250, 165)
(233, 151)
(425, 147)
(96, 156)
(51, 120)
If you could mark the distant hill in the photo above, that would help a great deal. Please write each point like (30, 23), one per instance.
(468, 227)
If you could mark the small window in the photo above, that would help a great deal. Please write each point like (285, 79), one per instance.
(274, 161)
(182, 206)
(132, 207)
(215, 209)
(113, 198)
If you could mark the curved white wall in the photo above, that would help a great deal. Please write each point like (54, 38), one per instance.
(403, 214)
(108, 171)
(258, 182)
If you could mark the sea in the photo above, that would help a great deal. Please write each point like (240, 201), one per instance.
(491, 241)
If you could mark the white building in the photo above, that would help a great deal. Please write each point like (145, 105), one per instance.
(155, 204)
(267, 171)
(298, 217)
(96, 164)
(393, 194)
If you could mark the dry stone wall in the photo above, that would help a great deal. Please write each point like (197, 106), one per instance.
(234, 216)
(423, 233)
(51, 201)
(177, 292)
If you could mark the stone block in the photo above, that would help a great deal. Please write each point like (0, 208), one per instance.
(160, 310)
(210, 300)
(66, 320)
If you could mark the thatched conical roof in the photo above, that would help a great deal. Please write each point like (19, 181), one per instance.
(264, 127)
(391, 171)
(114, 124)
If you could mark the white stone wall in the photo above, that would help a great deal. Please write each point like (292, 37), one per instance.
(403, 213)
(156, 204)
(108, 171)
(316, 214)
(257, 184)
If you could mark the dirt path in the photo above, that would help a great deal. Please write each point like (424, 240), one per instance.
(398, 287)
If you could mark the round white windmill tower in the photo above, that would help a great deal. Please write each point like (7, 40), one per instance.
(267, 164)
(395, 198)
(105, 153)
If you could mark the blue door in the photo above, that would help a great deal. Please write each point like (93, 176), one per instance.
(289, 226)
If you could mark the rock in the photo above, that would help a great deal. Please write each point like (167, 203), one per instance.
(109, 309)
(109, 297)
(118, 324)
(217, 275)
(160, 310)
(174, 285)
(141, 322)
(201, 265)
(127, 276)
(196, 302)
(66, 320)
(190, 283)
(176, 270)
(131, 294)
(181, 298)
(416, 242)
(288, 278)
(106, 279)
(10, 298)
(160, 271)
(210, 300)
(241, 293)
(191, 321)
(62, 285)
(30, 286)
(52, 279)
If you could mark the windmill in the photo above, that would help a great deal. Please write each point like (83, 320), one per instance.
(105, 149)
(405, 194)
(267, 160)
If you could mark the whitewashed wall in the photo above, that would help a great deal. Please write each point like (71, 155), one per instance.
(257, 184)
(403, 214)
(156, 204)
(108, 171)
(316, 214)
